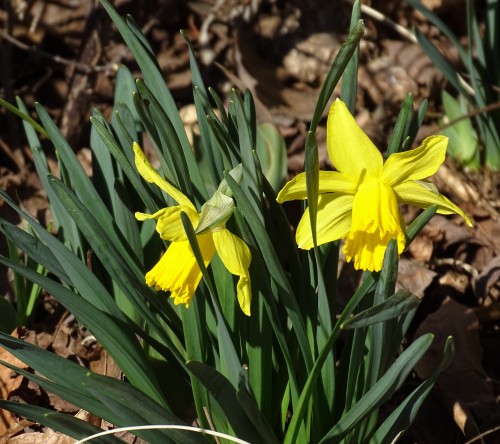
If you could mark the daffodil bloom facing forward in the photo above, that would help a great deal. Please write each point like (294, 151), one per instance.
(359, 201)
(177, 270)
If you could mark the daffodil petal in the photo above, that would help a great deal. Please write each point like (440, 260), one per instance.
(149, 174)
(350, 149)
(416, 164)
(145, 216)
(329, 182)
(415, 194)
(178, 272)
(236, 257)
(170, 226)
(375, 221)
(333, 221)
(244, 294)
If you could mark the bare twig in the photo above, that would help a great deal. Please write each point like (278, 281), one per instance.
(401, 30)
(485, 109)
(377, 15)
(482, 435)
(87, 69)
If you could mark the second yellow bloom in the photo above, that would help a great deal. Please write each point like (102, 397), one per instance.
(177, 270)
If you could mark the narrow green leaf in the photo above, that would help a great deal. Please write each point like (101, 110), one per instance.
(312, 180)
(275, 269)
(195, 71)
(171, 141)
(126, 129)
(441, 63)
(402, 126)
(228, 147)
(115, 335)
(204, 146)
(415, 124)
(260, 356)
(250, 181)
(129, 170)
(250, 114)
(386, 284)
(404, 414)
(229, 358)
(104, 172)
(23, 115)
(270, 297)
(225, 395)
(220, 105)
(381, 391)
(133, 407)
(300, 410)
(63, 423)
(34, 249)
(153, 78)
(87, 284)
(350, 76)
(149, 68)
(440, 24)
(335, 72)
(124, 272)
(59, 213)
(399, 303)
(82, 184)
(254, 413)
(420, 222)
(354, 352)
(380, 333)
(124, 92)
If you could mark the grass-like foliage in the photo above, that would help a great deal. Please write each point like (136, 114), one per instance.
(477, 86)
(264, 351)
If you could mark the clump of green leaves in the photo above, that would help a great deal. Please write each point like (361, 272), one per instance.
(478, 87)
(301, 368)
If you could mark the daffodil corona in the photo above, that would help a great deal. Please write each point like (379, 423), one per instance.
(177, 270)
(359, 201)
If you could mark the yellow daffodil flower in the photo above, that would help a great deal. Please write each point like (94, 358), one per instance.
(359, 201)
(177, 270)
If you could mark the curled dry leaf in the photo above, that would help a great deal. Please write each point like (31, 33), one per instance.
(464, 381)
(422, 248)
(464, 385)
(486, 285)
(49, 436)
(414, 277)
(9, 382)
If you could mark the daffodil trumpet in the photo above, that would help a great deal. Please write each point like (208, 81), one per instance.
(359, 202)
(177, 271)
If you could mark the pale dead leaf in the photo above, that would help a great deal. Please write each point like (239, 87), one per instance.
(9, 382)
(414, 277)
(47, 437)
(422, 248)
(464, 419)
(464, 379)
(459, 242)
(486, 285)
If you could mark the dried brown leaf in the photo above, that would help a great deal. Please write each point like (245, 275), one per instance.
(414, 277)
(464, 379)
(9, 382)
